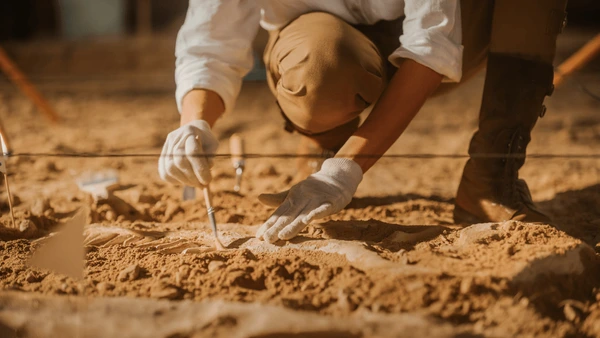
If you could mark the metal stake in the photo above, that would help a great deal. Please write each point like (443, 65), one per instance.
(10, 204)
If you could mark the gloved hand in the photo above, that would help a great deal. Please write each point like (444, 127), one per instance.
(320, 195)
(181, 161)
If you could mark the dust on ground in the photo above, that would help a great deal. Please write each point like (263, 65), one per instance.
(392, 261)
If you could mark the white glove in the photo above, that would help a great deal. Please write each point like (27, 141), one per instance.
(181, 161)
(320, 195)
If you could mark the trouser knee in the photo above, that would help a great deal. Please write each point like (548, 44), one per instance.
(324, 73)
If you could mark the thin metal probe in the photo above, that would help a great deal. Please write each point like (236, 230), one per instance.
(211, 217)
(10, 203)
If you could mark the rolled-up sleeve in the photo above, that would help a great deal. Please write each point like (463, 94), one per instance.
(214, 48)
(432, 37)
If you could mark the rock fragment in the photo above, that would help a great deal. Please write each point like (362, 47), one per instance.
(266, 170)
(33, 277)
(130, 273)
(570, 313)
(39, 206)
(466, 285)
(27, 227)
(165, 291)
(147, 199)
(172, 209)
(215, 265)
(103, 287)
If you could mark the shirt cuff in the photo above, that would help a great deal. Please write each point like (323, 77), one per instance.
(436, 52)
(227, 87)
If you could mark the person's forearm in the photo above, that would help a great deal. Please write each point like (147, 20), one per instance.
(201, 104)
(404, 96)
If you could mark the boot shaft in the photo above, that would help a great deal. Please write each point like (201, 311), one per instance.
(512, 102)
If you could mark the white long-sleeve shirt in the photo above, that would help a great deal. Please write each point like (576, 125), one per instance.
(214, 45)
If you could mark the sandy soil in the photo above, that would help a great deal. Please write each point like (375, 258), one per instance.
(392, 262)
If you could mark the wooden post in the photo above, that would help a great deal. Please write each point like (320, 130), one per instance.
(577, 60)
(144, 17)
(16, 76)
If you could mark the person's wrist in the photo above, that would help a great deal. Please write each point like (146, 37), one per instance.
(200, 124)
(201, 104)
(190, 116)
(344, 171)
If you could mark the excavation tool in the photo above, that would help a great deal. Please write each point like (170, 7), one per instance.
(236, 146)
(5, 152)
(211, 217)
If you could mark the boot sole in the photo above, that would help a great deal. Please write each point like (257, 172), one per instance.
(461, 216)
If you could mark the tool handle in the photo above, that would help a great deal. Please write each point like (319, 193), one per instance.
(236, 146)
(207, 197)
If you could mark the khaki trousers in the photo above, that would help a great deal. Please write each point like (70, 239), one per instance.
(324, 72)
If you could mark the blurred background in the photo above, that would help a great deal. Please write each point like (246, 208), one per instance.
(57, 42)
(72, 19)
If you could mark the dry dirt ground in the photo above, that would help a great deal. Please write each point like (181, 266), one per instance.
(392, 263)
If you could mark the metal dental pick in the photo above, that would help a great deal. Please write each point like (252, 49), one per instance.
(211, 217)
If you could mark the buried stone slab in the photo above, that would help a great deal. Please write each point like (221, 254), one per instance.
(51, 316)
(242, 238)
(516, 251)
(524, 252)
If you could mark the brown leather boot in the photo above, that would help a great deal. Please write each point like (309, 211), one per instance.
(490, 189)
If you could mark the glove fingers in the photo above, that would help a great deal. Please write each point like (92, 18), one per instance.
(273, 200)
(179, 155)
(292, 229)
(283, 208)
(199, 165)
(320, 212)
(166, 166)
(309, 213)
(176, 166)
(180, 163)
(272, 235)
(265, 226)
(292, 215)
(176, 176)
(183, 166)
